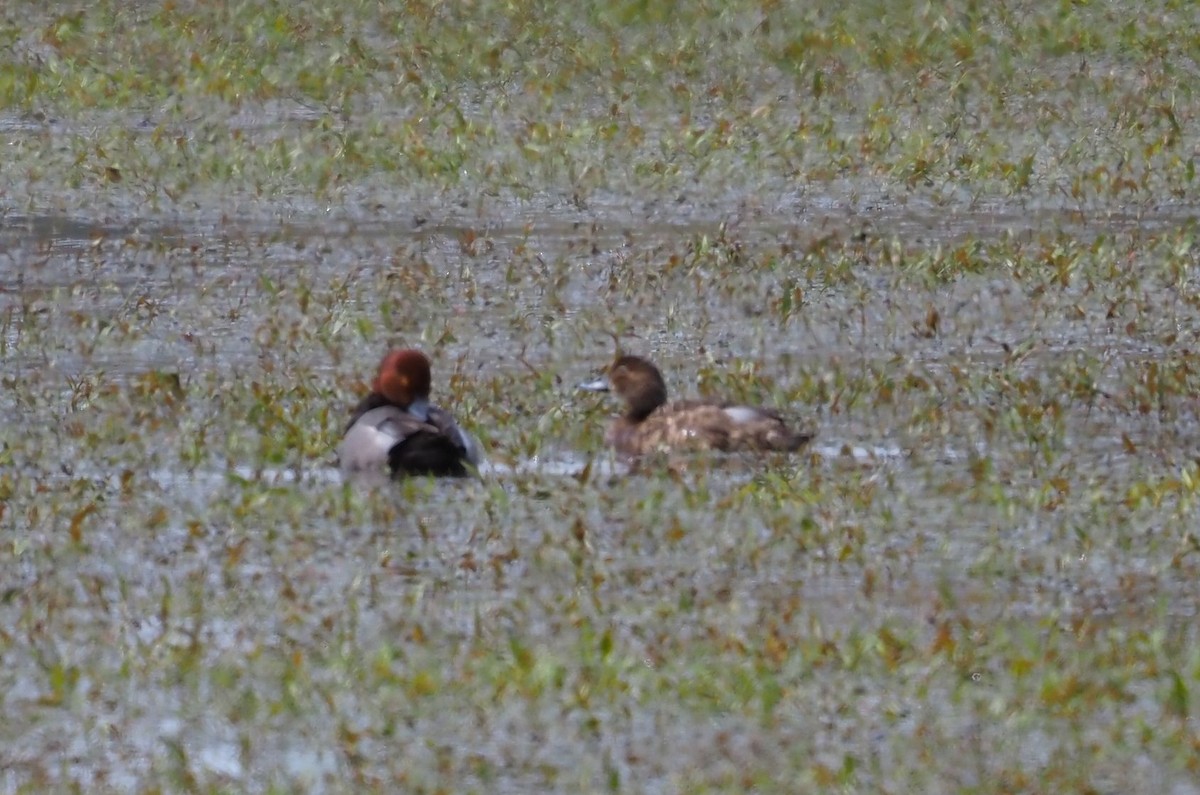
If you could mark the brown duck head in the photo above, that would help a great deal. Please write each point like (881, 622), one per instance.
(637, 382)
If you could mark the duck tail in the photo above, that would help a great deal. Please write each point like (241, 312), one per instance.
(428, 453)
(797, 439)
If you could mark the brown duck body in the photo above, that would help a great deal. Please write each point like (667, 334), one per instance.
(651, 424)
(395, 429)
(696, 425)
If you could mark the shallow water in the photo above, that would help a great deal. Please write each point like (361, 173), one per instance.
(222, 306)
(195, 595)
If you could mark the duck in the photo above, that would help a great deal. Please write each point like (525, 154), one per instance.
(650, 424)
(397, 428)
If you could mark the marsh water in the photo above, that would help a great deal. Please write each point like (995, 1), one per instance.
(957, 242)
(522, 297)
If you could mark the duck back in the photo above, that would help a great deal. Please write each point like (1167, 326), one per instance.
(699, 425)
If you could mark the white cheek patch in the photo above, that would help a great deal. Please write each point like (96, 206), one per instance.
(742, 414)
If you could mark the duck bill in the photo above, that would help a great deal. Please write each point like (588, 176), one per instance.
(419, 408)
(599, 385)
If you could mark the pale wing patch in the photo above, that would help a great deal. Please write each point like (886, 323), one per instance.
(471, 446)
(742, 414)
(368, 441)
(365, 447)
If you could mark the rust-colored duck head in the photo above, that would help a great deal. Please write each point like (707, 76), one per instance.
(404, 378)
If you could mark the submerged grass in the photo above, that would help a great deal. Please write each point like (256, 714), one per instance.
(958, 239)
(1074, 102)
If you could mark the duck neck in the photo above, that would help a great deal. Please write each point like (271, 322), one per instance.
(643, 404)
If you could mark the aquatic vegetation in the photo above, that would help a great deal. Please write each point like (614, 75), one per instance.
(959, 237)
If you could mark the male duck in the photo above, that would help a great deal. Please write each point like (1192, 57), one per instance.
(395, 425)
(650, 424)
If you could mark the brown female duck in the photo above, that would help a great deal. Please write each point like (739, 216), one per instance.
(651, 424)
